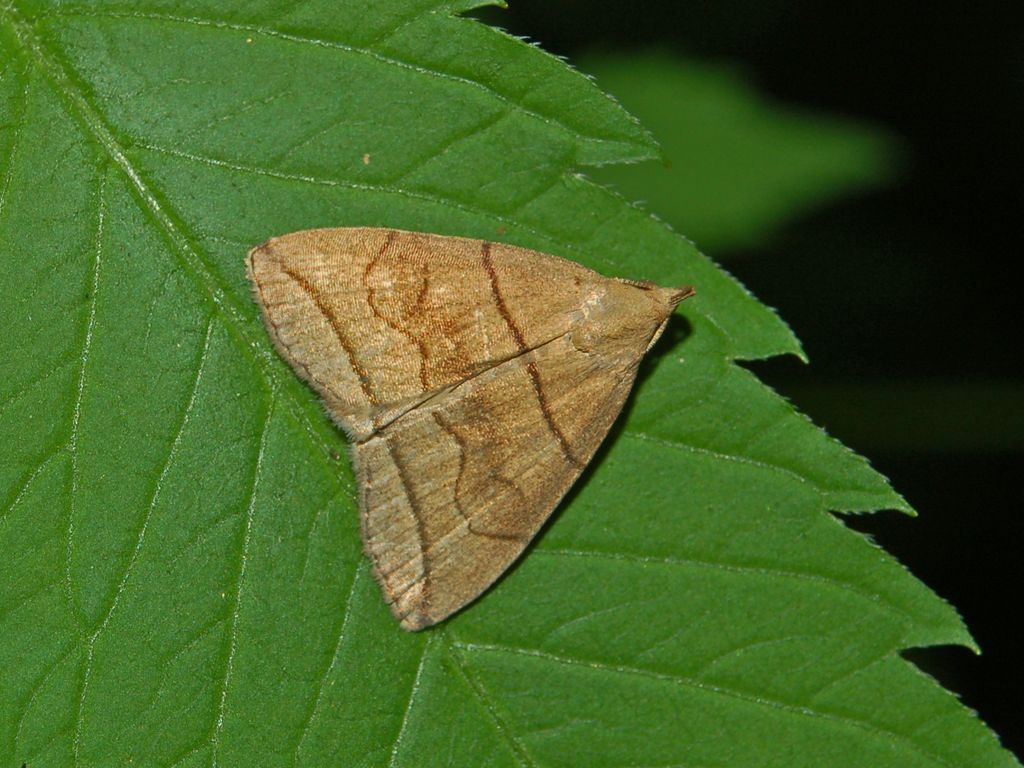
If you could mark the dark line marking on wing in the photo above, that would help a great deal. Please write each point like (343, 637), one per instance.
(446, 427)
(531, 367)
(499, 299)
(275, 329)
(403, 476)
(371, 294)
(332, 320)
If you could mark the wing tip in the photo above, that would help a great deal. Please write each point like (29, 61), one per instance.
(415, 621)
(405, 596)
(677, 295)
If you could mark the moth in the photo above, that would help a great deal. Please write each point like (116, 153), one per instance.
(474, 380)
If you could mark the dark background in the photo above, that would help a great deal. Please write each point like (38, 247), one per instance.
(909, 294)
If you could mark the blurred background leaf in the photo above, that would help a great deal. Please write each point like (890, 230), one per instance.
(735, 165)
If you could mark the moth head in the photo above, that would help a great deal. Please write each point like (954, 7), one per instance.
(625, 317)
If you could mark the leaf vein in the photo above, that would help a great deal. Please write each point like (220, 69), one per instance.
(414, 689)
(515, 745)
(172, 452)
(307, 721)
(37, 686)
(243, 562)
(750, 570)
(194, 264)
(737, 458)
(19, 127)
(602, 667)
(119, 591)
(401, 23)
(30, 477)
(27, 386)
(76, 412)
(450, 141)
(560, 245)
(390, 60)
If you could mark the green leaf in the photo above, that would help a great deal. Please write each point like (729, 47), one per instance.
(182, 582)
(736, 166)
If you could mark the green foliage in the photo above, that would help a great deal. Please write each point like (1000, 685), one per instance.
(182, 582)
(735, 165)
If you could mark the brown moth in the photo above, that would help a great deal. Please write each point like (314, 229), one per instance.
(475, 381)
